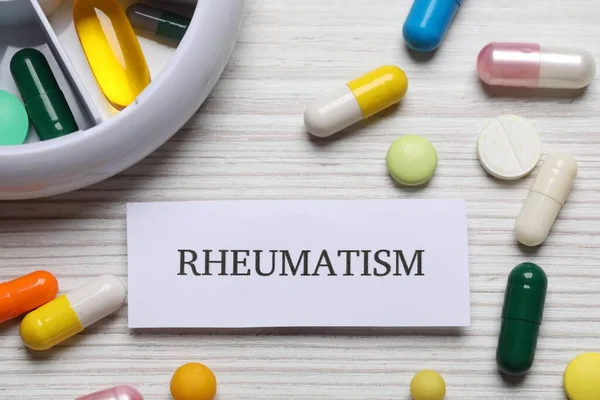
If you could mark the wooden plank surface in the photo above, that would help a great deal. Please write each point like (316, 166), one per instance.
(248, 142)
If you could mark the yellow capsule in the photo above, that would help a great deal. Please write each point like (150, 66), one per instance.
(51, 324)
(112, 50)
(71, 313)
(357, 100)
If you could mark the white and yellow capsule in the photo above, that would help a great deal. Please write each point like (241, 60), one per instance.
(355, 101)
(69, 314)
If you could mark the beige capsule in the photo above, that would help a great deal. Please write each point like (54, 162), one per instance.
(546, 197)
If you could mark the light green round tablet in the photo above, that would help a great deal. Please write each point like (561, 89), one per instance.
(14, 122)
(411, 160)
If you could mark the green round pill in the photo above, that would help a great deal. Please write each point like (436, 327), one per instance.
(411, 160)
(14, 122)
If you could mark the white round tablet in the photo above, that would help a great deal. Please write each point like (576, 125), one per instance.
(509, 147)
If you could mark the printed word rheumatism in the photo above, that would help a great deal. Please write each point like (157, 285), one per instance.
(376, 263)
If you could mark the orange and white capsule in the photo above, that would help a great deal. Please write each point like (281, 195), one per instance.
(355, 101)
(26, 293)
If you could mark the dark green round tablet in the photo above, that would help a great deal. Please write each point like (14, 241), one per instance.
(14, 122)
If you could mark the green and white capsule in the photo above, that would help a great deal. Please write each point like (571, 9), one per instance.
(162, 23)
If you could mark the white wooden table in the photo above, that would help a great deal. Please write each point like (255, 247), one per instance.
(248, 142)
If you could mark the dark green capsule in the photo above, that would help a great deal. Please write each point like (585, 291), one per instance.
(521, 318)
(159, 22)
(44, 101)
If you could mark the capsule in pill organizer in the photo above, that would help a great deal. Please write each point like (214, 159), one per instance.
(522, 313)
(355, 101)
(112, 50)
(547, 195)
(162, 23)
(26, 293)
(427, 23)
(530, 65)
(44, 100)
(121, 392)
(69, 314)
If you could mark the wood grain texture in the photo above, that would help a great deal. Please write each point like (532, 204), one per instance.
(248, 142)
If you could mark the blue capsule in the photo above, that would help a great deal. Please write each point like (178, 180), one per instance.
(427, 23)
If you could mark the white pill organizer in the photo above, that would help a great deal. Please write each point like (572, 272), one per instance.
(109, 141)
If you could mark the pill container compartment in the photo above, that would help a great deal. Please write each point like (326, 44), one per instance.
(19, 28)
(109, 140)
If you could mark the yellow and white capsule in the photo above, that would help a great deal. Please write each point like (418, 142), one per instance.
(69, 314)
(355, 101)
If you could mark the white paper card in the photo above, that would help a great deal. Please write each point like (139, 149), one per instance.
(305, 263)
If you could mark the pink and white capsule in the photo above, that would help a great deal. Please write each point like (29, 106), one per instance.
(533, 66)
(121, 392)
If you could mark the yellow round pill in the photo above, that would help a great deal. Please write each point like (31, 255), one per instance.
(427, 385)
(411, 160)
(193, 381)
(582, 377)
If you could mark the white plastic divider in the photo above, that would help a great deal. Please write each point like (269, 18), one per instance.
(66, 65)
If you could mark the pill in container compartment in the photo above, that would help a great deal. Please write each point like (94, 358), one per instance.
(44, 100)
(547, 195)
(355, 101)
(112, 50)
(14, 121)
(522, 313)
(534, 66)
(121, 392)
(26, 293)
(427, 23)
(162, 23)
(69, 314)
